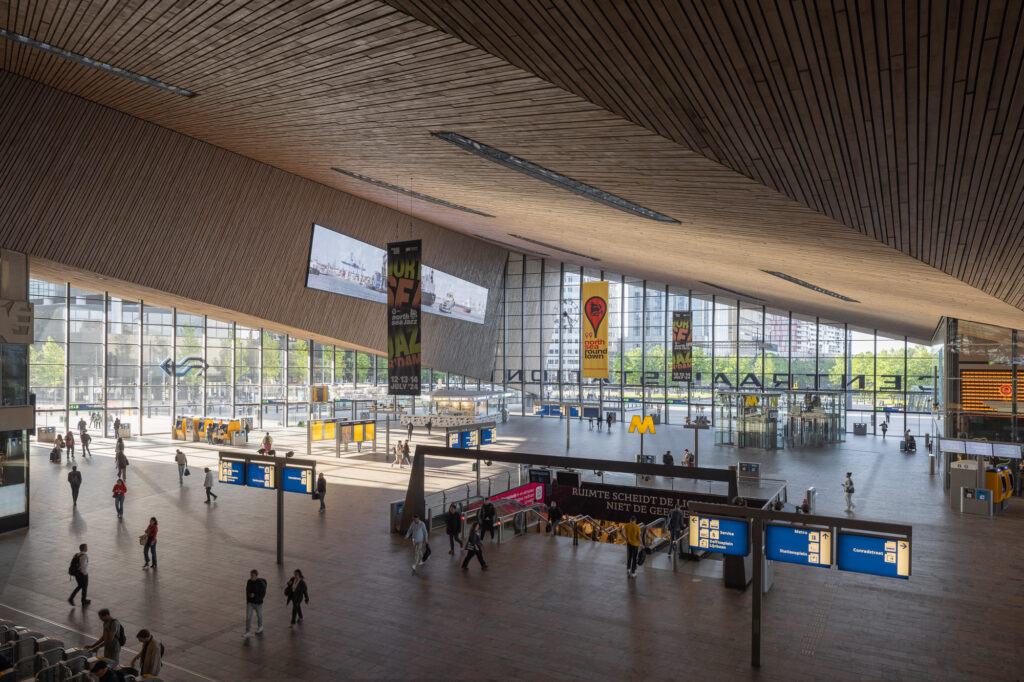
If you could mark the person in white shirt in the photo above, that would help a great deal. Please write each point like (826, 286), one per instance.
(81, 575)
(208, 484)
(848, 492)
(182, 461)
(418, 532)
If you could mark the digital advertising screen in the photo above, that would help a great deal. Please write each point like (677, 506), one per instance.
(259, 475)
(951, 446)
(342, 265)
(728, 536)
(803, 546)
(298, 480)
(230, 472)
(874, 555)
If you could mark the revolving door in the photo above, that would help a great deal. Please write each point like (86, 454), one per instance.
(748, 420)
(815, 418)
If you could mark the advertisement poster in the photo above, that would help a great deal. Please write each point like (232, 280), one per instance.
(531, 493)
(594, 363)
(682, 346)
(404, 261)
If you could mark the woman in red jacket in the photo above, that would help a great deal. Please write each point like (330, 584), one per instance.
(119, 490)
(150, 542)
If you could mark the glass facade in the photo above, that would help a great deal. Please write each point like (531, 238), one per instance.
(100, 358)
(738, 346)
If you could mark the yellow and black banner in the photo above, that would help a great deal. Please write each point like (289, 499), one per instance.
(594, 363)
(682, 346)
(404, 266)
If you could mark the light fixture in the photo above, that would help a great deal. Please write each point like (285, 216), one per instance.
(552, 246)
(514, 247)
(808, 285)
(732, 291)
(101, 66)
(411, 193)
(551, 177)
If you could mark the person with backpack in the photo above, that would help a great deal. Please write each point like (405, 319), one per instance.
(885, 427)
(848, 492)
(474, 547)
(86, 439)
(120, 460)
(81, 425)
(120, 489)
(555, 516)
(487, 516)
(79, 570)
(150, 656)
(405, 453)
(117, 428)
(75, 481)
(255, 591)
(267, 443)
(295, 592)
(666, 459)
(182, 461)
(69, 441)
(112, 639)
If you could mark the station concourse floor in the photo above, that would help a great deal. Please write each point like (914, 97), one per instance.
(545, 609)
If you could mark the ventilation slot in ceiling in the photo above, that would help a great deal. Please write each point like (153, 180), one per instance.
(549, 176)
(808, 285)
(101, 66)
(732, 291)
(552, 246)
(514, 247)
(411, 193)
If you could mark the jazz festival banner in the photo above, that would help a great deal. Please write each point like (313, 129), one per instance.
(594, 363)
(404, 266)
(682, 346)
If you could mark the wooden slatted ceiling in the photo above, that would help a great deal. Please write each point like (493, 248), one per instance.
(900, 119)
(359, 85)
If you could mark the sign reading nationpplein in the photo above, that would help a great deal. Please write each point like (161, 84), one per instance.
(803, 546)
(727, 536)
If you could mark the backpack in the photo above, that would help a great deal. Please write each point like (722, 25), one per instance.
(76, 566)
(120, 636)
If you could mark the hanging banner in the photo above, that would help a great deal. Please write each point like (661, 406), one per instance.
(682, 346)
(404, 261)
(594, 363)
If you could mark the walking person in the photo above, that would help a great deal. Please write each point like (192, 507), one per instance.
(58, 443)
(81, 425)
(117, 428)
(112, 638)
(410, 429)
(675, 527)
(430, 425)
(419, 534)
(453, 526)
(487, 516)
(267, 442)
(208, 484)
(75, 481)
(86, 439)
(255, 591)
(609, 422)
(150, 655)
(120, 460)
(632, 546)
(848, 492)
(405, 453)
(398, 455)
(182, 462)
(599, 422)
(119, 492)
(474, 548)
(555, 516)
(69, 441)
(150, 539)
(79, 570)
(321, 490)
(885, 427)
(591, 423)
(296, 592)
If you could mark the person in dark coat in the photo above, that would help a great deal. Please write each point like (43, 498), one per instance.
(296, 592)
(453, 525)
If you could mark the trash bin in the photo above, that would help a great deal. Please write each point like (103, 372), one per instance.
(860, 429)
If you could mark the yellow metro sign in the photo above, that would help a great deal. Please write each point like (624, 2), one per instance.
(642, 425)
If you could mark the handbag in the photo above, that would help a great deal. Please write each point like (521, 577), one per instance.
(641, 557)
(315, 496)
(142, 539)
(187, 472)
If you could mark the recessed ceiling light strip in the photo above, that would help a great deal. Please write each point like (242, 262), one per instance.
(411, 193)
(553, 247)
(732, 291)
(514, 247)
(808, 285)
(101, 66)
(549, 176)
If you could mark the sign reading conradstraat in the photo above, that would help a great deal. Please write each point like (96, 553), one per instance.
(795, 545)
(874, 555)
(727, 536)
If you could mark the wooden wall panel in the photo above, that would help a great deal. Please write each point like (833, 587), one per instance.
(88, 188)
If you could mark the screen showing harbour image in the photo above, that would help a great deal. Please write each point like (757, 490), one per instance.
(342, 265)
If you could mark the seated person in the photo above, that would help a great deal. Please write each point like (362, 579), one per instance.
(104, 673)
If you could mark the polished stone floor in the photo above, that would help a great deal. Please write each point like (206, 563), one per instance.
(544, 610)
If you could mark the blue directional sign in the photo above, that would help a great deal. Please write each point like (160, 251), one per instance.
(231, 472)
(259, 475)
(803, 546)
(486, 436)
(470, 439)
(298, 480)
(874, 555)
(454, 439)
(727, 536)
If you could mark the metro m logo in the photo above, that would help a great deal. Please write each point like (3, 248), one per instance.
(642, 425)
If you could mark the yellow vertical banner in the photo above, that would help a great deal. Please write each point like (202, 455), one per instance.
(594, 363)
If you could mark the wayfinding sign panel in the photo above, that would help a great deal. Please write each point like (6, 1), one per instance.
(231, 472)
(260, 475)
(298, 480)
(728, 536)
(803, 546)
(874, 555)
